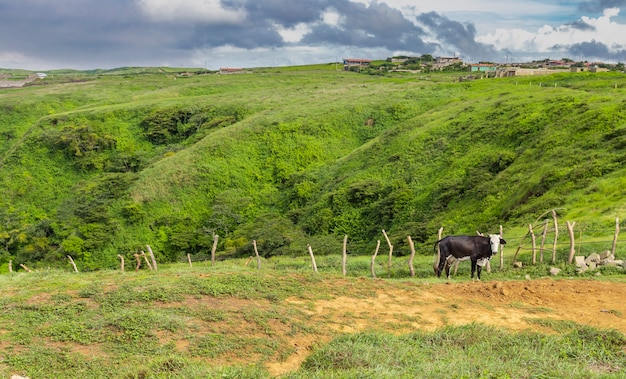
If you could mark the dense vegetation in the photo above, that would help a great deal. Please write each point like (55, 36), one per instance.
(96, 164)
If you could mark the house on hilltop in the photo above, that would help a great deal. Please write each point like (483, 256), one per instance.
(519, 71)
(483, 67)
(358, 63)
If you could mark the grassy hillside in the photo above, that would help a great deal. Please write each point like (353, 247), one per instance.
(96, 164)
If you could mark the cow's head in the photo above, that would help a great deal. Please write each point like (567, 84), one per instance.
(495, 241)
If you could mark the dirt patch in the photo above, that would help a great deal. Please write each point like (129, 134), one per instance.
(508, 304)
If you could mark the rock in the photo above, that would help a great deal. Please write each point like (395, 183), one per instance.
(593, 257)
(554, 271)
(580, 261)
(604, 255)
(527, 277)
(517, 264)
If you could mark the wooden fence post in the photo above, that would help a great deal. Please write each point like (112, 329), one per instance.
(10, 266)
(412, 246)
(556, 235)
(572, 250)
(344, 256)
(72, 262)
(534, 244)
(256, 253)
(436, 264)
(145, 257)
(248, 261)
(543, 239)
(138, 258)
(213, 249)
(615, 236)
(154, 264)
(312, 257)
(121, 262)
(189, 260)
(374, 259)
(390, 254)
(25, 268)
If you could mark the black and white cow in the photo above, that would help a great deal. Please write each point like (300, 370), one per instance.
(477, 249)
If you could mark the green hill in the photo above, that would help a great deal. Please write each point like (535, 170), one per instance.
(95, 164)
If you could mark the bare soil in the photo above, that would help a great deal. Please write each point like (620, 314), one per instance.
(405, 307)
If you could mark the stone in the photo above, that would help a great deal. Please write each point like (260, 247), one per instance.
(605, 254)
(554, 271)
(580, 261)
(593, 257)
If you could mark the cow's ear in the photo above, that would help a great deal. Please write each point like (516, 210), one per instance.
(502, 242)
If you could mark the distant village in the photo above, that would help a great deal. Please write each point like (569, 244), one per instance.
(428, 63)
(425, 63)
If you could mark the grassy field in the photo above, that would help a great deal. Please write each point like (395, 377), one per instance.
(234, 321)
(101, 163)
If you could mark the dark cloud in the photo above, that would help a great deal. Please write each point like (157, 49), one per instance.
(600, 5)
(376, 25)
(83, 33)
(287, 13)
(581, 25)
(590, 49)
(456, 36)
(254, 35)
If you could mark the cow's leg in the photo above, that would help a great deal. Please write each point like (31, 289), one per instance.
(478, 270)
(447, 267)
(474, 265)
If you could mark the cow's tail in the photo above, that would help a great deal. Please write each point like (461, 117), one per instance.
(437, 258)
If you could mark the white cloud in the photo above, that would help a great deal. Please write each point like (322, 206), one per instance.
(209, 11)
(544, 39)
(332, 18)
(292, 35)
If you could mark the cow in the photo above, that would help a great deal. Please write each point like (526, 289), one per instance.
(477, 249)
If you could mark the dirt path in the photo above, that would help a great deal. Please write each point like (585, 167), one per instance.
(508, 304)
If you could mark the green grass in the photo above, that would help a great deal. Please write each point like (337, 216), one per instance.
(470, 351)
(230, 319)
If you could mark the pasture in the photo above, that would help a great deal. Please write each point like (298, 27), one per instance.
(232, 320)
(95, 165)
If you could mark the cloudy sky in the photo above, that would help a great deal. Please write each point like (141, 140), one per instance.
(89, 34)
